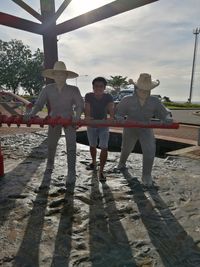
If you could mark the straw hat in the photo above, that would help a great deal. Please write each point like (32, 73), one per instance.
(145, 82)
(59, 67)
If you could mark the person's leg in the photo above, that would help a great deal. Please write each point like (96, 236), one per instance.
(129, 139)
(53, 137)
(93, 153)
(103, 158)
(103, 144)
(147, 141)
(92, 139)
(70, 135)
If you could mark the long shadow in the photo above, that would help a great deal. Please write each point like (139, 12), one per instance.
(99, 240)
(14, 182)
(175, 247)
(28, 253)
(121, 251)
(63, 246)
(106, 245)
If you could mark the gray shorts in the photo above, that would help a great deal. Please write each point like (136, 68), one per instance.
(95, 134)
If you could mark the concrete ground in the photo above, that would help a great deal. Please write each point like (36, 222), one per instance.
(119, 223)
(186, 116)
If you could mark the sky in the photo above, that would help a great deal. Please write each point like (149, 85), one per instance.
(157, 39)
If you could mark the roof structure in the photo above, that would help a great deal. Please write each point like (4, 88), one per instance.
(48, 28)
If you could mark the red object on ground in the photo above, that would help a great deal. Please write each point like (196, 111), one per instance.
(18, 120)
(1, 164)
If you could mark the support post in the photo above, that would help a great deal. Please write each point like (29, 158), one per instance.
(49, 33)
(49, 36)
(1, 163)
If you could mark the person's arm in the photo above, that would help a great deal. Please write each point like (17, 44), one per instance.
(87, 110)
(110, 108)
(87, 107)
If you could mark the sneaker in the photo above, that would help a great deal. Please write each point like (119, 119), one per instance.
(120, 168)
(92, 166)
(102, 178)
(152, 186)
(147, 181)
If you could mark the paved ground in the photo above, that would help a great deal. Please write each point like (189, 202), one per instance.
(113, 224)
(185, 134)
(186, 116)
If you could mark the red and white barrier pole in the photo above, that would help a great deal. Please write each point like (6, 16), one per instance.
(18, 120)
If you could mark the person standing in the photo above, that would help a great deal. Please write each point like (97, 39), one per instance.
(97, 105)
(64, 101)
(141, 107)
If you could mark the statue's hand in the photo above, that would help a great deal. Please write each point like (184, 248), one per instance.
(119, 118)
(27, 116)
(168, 119)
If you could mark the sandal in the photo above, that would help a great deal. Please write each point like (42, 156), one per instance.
(92, 166)
(102, 178)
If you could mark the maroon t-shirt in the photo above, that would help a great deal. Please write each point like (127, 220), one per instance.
(98, 107)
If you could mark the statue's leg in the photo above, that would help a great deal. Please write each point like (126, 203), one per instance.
(53, 137)
(70, 134)
(129, 139)
(147, 141)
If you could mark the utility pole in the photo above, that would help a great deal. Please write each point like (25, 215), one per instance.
(195, 32)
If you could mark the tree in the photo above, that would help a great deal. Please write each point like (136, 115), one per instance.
(19, 68)
(166, 99)
(32, 81)
(117, 83)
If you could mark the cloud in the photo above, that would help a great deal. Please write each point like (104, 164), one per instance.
(156, 38)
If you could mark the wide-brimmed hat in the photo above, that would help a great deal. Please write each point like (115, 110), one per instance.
(59, 67)
(145, 82)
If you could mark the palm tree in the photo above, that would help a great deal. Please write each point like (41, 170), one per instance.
(117, 83)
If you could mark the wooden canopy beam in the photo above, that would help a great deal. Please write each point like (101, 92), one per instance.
(62, 8)
(29, 9)
(49, 33)
(104, 12)
(19, 23)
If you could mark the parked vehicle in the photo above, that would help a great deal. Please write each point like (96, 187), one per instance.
(122, 94)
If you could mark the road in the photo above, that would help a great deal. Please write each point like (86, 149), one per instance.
(186, 116)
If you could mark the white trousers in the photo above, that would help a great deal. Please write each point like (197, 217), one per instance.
(147, 142)
(54, 134)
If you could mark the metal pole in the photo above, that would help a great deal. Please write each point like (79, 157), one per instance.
(1, 163)
(196, 32)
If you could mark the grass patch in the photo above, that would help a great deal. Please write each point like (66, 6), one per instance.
(174, 105)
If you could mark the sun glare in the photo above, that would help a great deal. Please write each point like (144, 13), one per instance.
(79, 7)
(87, 5)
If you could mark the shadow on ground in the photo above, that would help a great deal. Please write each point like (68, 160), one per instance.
(174, 245)
(109, 245)
(17, 180)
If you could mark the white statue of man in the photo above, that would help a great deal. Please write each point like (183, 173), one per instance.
(141, 106)
(64, 101)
